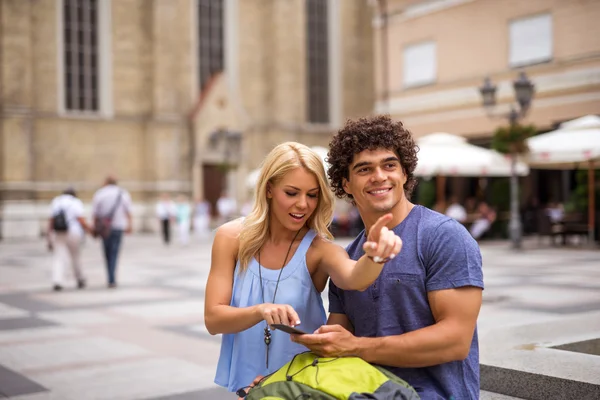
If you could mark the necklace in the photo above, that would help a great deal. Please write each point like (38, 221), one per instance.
(267, 337)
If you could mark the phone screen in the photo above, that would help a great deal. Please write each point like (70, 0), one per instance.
(288, 329)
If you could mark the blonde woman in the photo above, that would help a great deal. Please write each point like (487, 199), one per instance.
(270, 267)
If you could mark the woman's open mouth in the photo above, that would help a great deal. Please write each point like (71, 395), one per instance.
(297, 217)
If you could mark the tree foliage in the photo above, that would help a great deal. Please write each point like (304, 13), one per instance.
(512, 139)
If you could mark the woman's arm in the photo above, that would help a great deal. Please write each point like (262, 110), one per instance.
(348, 274)
(219, 316)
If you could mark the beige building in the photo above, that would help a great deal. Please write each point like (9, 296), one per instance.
(432, 56)
(180, 96)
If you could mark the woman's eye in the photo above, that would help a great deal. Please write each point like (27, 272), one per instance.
(290, 194)
(314, 196)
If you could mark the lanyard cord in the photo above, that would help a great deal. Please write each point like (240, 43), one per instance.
(267, 338)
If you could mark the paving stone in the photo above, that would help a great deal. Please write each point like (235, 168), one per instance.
(37, 334)
(128, 380)
(8, 312)
(198, 330)
(15, 384)
(23, 323)
(78, 317)
(164, 310)
(206, 394)
(105, 297)
(24, 301)
(65, 352)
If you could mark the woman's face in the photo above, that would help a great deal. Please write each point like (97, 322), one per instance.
(294, 198)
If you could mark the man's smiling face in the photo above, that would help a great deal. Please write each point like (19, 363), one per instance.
(376, 181)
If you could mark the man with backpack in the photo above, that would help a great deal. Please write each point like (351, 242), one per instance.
(112, 218)
(66, 229)
(418, 319)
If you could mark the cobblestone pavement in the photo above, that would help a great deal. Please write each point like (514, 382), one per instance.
(147, 340)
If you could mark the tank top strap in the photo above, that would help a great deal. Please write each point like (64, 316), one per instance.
(306, 242)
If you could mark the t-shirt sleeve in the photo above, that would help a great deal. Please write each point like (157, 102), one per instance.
(77, 208)
(453, 258)
(95, 205)
(127, 202)
(336, 304)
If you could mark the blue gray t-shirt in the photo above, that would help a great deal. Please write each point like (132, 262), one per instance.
(437, 253)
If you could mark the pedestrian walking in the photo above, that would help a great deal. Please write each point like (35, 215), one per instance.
(112, 218)
(66, 230)
(165, 211)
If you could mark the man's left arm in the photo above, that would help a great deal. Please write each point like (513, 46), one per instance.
(448, 339)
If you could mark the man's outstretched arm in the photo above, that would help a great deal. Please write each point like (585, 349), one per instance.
(448, 339)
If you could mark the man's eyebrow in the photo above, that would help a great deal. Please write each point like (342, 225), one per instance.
(391, 159)
(365, 163)
(361, 164)
(295, 188)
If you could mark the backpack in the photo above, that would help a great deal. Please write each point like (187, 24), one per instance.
(59, 222)
(309, 376)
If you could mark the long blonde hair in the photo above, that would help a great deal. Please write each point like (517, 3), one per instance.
(281, 160)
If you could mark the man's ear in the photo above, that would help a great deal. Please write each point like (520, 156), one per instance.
(345, 186)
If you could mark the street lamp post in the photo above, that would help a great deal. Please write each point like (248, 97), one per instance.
(524, 91)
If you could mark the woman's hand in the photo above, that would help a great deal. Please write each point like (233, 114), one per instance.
(382, 244)
(279, 314)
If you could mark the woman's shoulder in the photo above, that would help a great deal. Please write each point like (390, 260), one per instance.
(231, 229)
(321, 244)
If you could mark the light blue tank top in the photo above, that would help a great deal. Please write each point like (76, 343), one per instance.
(243, 354)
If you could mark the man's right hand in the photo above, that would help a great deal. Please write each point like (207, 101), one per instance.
(278, 314)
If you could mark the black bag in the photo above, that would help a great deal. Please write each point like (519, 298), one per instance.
(59, 222)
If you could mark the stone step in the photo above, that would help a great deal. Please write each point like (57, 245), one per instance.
(534, 386)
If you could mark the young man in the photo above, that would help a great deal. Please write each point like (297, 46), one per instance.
(112, 217)
(419, 317)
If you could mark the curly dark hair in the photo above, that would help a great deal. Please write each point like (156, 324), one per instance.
(370, 133)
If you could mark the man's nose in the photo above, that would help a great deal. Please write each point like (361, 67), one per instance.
(378, 175)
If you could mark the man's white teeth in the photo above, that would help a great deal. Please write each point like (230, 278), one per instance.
(379, 191)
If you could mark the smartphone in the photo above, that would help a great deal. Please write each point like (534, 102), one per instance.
(288, 329)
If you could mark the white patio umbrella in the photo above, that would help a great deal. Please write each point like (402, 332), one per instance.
(575, 144)
(451, 155)
(252, 178)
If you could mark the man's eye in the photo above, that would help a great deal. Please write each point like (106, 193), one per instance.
(363, 170)
(391, 165)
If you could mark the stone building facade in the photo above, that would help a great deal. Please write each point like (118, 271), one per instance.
(179, 96)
